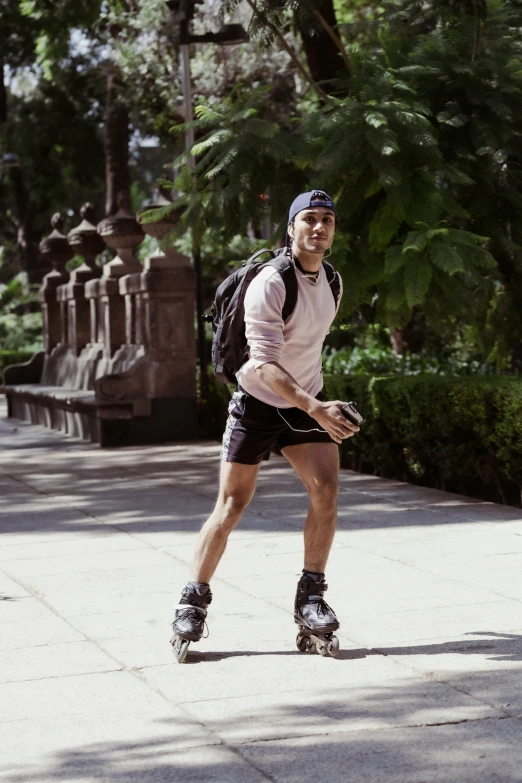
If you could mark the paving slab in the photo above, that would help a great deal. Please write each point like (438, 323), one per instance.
(53, 660)
(94, 548)
(489, 751)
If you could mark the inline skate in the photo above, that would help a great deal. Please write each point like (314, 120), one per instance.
(316, 620)
(189, 618)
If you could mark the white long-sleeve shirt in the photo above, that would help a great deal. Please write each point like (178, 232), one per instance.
(295, 344)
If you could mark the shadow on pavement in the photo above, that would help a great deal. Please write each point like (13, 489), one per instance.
(501, 647)
(155, 488)
(404, 733)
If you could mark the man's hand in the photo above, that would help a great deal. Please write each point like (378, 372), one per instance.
(328, 415)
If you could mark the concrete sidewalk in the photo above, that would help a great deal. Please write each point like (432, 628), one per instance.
(94, 549)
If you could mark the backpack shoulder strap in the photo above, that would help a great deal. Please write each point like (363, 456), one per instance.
(253, 259)
(334, 281)
(286, 269)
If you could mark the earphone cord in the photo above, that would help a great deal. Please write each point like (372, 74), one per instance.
(313, 429)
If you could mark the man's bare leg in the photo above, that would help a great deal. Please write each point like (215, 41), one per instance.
(237, 485)
(317, 465)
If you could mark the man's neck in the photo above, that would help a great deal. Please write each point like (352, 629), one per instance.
(310, 262)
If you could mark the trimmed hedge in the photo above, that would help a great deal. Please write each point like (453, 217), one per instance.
(459, 434)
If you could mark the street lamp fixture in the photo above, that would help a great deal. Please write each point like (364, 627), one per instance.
(227, 35)
(9, 160)
(182, 13)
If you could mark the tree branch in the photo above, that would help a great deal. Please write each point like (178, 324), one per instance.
(337, 41)
(289, 51)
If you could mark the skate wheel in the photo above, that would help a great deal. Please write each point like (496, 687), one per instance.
(303, 643)
(321, 648)
(180, 648)
(333, 647)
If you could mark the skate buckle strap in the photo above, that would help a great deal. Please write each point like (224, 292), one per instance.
(201, 609)
(191, 598)
(312, 588)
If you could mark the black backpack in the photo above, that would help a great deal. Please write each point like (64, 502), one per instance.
(229, 344)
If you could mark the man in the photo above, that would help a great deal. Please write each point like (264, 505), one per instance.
(278, 401)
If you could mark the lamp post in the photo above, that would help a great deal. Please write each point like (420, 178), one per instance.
(182, 13)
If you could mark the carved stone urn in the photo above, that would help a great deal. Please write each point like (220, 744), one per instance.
(56, 252)
(85, 242)
(164, 257)
(122, 233)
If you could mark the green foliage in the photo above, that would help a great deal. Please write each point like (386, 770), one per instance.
(378, 360)
(457, 434)
(20, 329)
(240, 153)
(419, 147)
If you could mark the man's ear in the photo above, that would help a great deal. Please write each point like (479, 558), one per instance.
(290, 230)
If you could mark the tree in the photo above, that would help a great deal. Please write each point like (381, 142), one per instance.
(423, 158)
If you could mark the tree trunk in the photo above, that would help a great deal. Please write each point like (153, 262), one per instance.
(3, 94)
(24, 205)
(26, 213)
(322, 54)
(412, 337)
(116, 144)
(512, 279)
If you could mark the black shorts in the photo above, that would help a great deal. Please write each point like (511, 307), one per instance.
(254, 428)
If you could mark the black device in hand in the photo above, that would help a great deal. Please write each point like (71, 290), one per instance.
(351, 412)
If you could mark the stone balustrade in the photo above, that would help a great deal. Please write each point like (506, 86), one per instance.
(119, 365)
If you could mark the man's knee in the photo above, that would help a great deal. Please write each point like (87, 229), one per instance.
(231, 506)
(324, 489)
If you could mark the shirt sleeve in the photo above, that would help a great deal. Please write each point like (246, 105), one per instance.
(264, 302)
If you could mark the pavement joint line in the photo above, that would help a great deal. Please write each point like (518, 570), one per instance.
(373, 730)
(168, 482)
(210, 732)
(392, 501)
(431, 572)
(431, 677)
(430, 507)
(138, 675)
(271, 603)
(38, 596)
(4, 547)
(423, 675)
(430, 608)
(60, 676)
(21, 481)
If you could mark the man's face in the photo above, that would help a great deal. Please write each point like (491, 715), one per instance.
(313, 230)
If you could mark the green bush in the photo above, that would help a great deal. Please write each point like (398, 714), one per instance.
(455, 433)
(13, 357)
(378, 360)
(460, 434)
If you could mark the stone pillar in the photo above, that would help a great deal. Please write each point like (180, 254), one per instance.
(85, 242)
(56, 252)
(165, 298)
(122, 233)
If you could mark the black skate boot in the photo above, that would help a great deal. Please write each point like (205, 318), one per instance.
(316, 620)
(189, 618)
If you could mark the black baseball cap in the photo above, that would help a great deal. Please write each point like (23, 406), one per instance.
(313, 198)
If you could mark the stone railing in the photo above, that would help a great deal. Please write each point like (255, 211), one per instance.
(119, 365)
